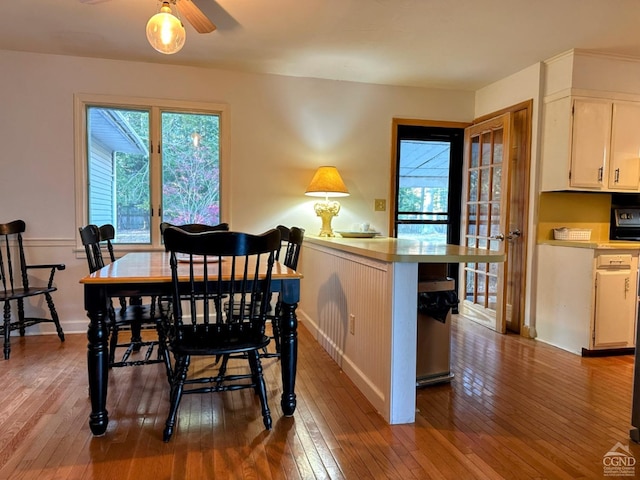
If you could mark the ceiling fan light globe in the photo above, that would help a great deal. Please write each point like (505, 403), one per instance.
(165, 33)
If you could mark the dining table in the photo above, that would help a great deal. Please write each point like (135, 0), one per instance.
(148, 273)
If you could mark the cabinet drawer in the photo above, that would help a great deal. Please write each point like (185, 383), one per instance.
(613, 260)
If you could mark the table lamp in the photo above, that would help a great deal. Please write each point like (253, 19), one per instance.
(326, 182)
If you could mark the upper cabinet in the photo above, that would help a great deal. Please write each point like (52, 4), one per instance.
(624, 169)
(591, 144)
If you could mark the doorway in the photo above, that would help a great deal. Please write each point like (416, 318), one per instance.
(427, 180)
(495, 211)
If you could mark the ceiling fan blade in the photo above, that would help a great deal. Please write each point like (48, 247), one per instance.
(194, 16)
(212, 9)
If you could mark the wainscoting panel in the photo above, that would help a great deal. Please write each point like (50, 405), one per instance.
(338, 285)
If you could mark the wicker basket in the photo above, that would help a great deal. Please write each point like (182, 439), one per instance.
(571, 233)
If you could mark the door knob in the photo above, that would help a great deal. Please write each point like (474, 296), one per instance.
(499, 236)
(514, 234)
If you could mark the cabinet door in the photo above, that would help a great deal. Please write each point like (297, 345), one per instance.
(590, 142)
(615, 310)
(624, 170)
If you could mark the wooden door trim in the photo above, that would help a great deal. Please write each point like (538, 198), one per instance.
(527, 104)
(528, 107)
(395, 123)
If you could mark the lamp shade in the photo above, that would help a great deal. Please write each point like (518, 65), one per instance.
(326, 182)
(165, 32)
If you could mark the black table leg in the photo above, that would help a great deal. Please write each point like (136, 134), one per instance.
(288, 356)
(97, 357)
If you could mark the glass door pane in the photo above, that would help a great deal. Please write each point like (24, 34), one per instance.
(484, 220)
(428, 183)
(423, 190)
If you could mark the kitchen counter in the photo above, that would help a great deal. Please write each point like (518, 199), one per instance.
(593, 244)
(404, 250)
(359, 300)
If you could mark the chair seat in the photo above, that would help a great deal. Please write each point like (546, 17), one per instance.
(211, 340)
(137, 313)
(25, 292)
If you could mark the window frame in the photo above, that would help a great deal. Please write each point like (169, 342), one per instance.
(155, 108)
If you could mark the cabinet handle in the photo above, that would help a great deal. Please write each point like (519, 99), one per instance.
(600, 171)
(617, 175)
(626, 286)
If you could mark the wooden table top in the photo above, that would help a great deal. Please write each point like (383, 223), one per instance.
(153, 267)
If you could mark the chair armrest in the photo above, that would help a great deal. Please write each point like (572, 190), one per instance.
(52, 266)
(56, 266)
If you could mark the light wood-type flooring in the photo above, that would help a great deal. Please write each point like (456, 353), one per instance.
(516, 409)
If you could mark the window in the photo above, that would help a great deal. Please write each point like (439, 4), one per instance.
(428, 183)
(143, 162)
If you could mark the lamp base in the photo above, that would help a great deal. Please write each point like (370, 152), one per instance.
(326, 211)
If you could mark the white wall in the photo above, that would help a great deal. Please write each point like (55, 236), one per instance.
(282, 128)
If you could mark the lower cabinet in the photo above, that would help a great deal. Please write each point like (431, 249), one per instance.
(616, 298)
(587, 299)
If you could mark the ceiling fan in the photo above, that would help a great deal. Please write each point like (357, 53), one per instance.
(168, 33)
(194, 15)
(165, 30)
(187, 9)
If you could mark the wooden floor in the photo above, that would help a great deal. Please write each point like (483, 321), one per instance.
(517, 409)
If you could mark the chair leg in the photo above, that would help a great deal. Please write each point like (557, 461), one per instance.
(7, 330)
(113, 343)
(223, 366)
(54, 316)
(177, 386)
(260, 388)
(275, 328)
(163, 350)
(275, 324)
(21, 316)
(135, 303)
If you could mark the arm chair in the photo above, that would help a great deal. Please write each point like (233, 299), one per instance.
(133, 317)
(18, 285)
(291, 244)
(205, 266)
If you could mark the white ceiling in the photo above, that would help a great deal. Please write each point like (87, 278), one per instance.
(454, 44)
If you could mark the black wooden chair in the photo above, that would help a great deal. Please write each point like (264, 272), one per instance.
(195, 227)
(191, 228)
(198, 228)
(18, 285)
(292, 242)
(132, 315)
(207, 331)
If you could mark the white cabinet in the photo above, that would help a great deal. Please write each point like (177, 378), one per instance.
(591, 144)
(615, 301)
(591, 136)
(624, 169)
(587, 299)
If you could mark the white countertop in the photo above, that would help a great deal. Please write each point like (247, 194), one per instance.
(406, 250)
(594, 244)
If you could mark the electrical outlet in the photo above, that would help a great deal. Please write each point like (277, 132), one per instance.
(380, 205)
(352, 324)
